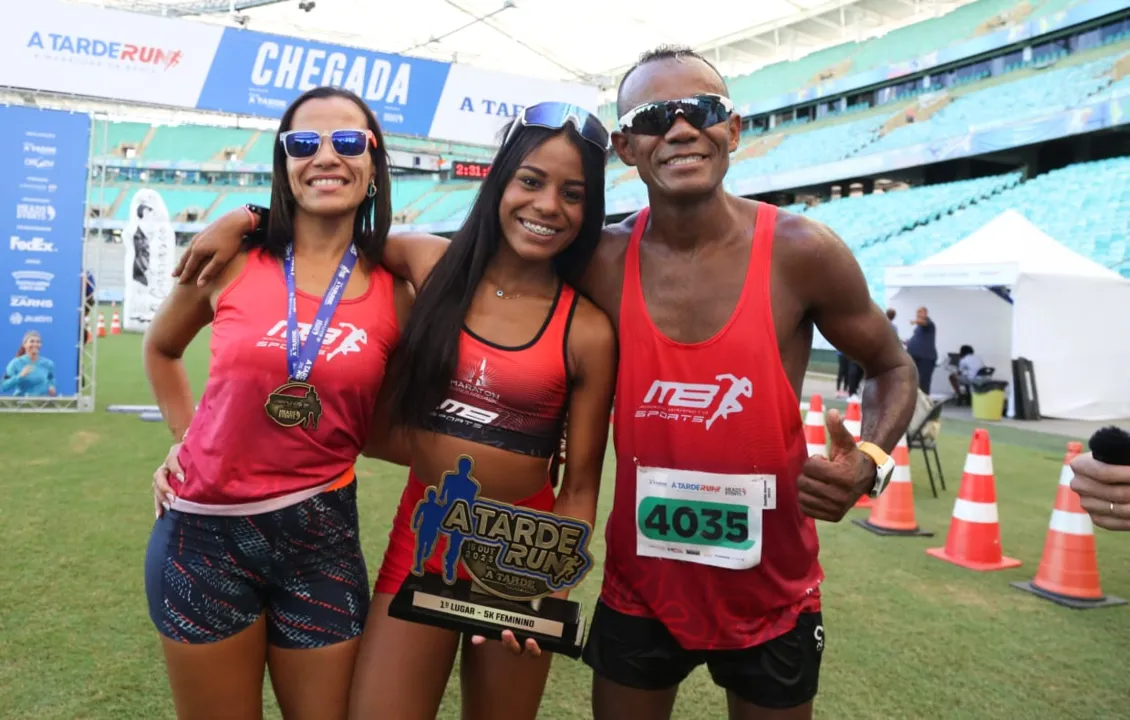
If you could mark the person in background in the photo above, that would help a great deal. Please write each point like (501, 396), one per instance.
(968, 365)
(854, 379)
(842, 375)
(922, 348)
(29, 374)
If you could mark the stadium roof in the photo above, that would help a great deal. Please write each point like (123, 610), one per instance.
(590, 41)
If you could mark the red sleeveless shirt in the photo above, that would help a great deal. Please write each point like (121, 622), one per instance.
(233, 453)
(706, 533)
(512, 398)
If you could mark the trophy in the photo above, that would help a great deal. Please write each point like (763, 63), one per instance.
(516, 557)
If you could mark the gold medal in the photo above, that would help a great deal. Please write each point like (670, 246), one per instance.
(290, 409)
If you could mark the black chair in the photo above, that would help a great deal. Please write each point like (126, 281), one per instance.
(917, 440)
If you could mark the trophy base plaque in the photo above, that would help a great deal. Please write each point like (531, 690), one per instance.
(555, 624)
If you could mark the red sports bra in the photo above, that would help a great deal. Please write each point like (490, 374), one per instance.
(512, 398)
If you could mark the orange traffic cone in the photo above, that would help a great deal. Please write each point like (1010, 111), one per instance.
(853, 423)
(974, 539)
(1069, 570)
(115, 322)
(814, 432)
(101, 325)
(893, 512)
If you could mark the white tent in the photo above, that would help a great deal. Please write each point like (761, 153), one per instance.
(1067, 314)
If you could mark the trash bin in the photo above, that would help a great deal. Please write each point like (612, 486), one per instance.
(988, 399)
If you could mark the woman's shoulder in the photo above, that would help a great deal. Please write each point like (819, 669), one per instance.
(591, 328)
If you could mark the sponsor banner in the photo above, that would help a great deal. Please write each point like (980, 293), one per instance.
(42, 201)
(76, 48)
(476, 104)
(149, 258)
(85, 50)
(258, 74)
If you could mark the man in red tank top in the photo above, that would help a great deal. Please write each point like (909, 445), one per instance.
(712, 546)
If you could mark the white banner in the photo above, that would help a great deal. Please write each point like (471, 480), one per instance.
(67, 47)
(85, 50)
(476, 104)
(149, 259)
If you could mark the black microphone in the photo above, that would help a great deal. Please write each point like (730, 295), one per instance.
(1111, 445)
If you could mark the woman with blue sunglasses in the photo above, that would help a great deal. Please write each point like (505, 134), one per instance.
(255, 559)
(498, 352)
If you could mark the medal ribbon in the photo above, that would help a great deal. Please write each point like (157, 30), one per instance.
(300, 356)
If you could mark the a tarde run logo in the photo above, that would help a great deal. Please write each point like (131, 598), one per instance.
(125, 54)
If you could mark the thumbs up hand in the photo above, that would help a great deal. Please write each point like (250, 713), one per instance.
(828, 487)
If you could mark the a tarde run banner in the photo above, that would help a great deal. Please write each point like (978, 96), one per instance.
(86, 50)
(43, 161)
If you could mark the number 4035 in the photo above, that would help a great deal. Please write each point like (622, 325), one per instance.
(705, 523)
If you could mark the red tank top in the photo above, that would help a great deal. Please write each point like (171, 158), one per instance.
(706, 533)
(512, 398)
(233, 453)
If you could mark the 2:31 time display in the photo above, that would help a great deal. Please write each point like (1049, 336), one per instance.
(470, 170)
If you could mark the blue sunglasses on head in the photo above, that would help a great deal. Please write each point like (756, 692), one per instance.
(555, 115)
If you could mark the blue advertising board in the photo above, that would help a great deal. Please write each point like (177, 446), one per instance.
(43, 156)
(258, 74)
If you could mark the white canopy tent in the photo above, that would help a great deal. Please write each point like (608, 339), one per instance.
(1011, 291)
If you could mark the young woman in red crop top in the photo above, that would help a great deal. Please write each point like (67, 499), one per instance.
(498, 351)
(256, 560)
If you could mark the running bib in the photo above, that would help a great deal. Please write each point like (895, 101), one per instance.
(701, 517)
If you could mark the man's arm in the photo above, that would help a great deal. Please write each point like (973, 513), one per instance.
(840, 305)
(410, 256)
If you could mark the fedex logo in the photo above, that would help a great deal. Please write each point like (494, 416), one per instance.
(136, 55)
(36, 245)
(295, 67)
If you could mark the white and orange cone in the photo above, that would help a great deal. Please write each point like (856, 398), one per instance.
(815, 434)
(974, 539)
(1069, 570)
(115, 324)
(853, 423)
(101, 329)
(893, 512)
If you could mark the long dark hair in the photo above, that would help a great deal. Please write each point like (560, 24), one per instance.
(374, 215)
(425, 359)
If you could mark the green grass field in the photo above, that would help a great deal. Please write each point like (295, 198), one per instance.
(907, 636)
